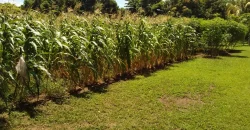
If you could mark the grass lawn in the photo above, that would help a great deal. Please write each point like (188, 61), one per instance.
(198, 94)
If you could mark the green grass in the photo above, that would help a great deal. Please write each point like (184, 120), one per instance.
(198, 94)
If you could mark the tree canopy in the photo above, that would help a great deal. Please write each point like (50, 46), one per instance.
(187, 8)
(108, 6)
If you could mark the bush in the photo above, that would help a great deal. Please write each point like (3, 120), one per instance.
(237, 30)
(218, 33)
(196, 24)
(245, 19)
(215, 40)
(224, 33)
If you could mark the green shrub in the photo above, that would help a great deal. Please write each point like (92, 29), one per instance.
(219, 33)
(212, 37)
(237, 30)
(196, 24)
(245, 19)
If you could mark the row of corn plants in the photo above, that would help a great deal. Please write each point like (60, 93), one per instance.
(34, 52)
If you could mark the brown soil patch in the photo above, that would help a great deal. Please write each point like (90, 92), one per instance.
(200, 55)
(211, 87)
(41, 98)
(180, 102)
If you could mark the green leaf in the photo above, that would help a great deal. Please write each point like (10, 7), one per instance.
(34, 45)
(58, 43)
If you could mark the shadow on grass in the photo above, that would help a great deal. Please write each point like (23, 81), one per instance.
(29, 107)
(234, 51)
(100, 87)
(146, 72)
(212, 57)
(81, 95)
(149, 72)
(226, 53)
(219, 58)
(237, 56)
(4, 124)
(103, 87)
(93, 88)
(58, 100)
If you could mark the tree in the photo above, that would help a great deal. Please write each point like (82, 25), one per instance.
(133, 5)
(46, 6)
(158, 8)
(109, 6)
(147, 5)
(70, 3)
(195, 7)
(232, 9)
(247, 7)
(36, 4)
(27, 4)
(88, 5)
(58, 6)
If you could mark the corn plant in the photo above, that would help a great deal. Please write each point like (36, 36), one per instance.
(75, 40)
(7, 80)
(83, 52)
(125, 43)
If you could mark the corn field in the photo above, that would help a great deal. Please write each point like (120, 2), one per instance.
(84, 52)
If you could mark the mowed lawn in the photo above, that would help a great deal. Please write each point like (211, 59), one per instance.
(198, 94)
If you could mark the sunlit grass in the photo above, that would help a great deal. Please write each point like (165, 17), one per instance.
(197, 94)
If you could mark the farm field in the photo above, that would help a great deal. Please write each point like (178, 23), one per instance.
(158, 64)
(203, 93)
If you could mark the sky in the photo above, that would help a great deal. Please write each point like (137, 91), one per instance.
(121, 3)
(16, 2)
